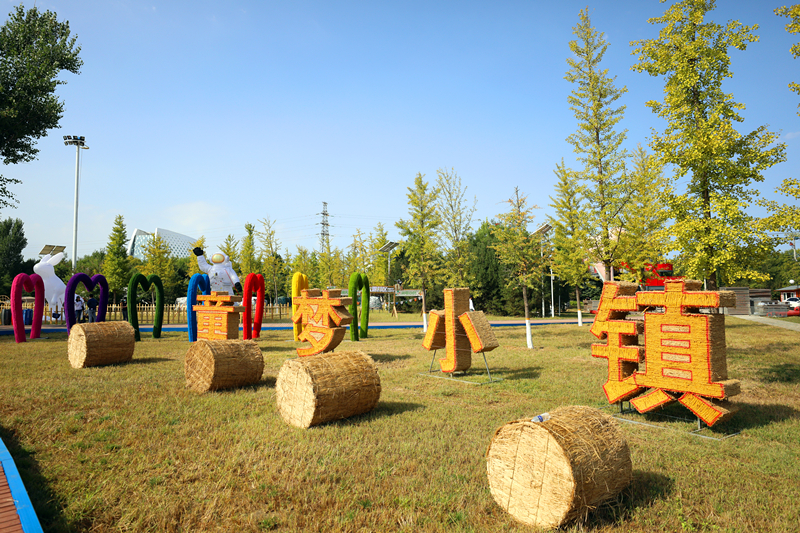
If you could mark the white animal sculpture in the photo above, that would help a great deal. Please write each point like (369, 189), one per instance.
(54, 288)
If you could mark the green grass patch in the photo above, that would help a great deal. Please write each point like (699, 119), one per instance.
(129, 448)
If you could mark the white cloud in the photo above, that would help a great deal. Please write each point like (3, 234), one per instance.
(791, 135)
(196, 218)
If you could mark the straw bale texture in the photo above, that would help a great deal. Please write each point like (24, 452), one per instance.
(546, 474)
(317, 389)
(100, 343)
(434, 337)
(222, 364)
(459, 352)
(479, 332)
(218, 316)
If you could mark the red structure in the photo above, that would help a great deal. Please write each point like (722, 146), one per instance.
(655, 276)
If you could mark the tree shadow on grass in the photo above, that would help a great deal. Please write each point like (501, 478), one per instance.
(387, 358)
(478, 370)
(265, 349)
(753, 415)
(510, 374)
(780, 373)
(383, 409)
(267, 382)
(46, 503)
(645, 488)
(145, 360)
(748, 416)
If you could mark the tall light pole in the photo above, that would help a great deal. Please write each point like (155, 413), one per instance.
(388, 247)
(79, 142)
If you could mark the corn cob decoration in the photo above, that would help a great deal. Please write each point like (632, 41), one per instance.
(299, 282)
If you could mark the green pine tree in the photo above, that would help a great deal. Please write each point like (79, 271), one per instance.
(485, 270)
(158, 260)
(116, 267)
(230, 247)
(193, 268)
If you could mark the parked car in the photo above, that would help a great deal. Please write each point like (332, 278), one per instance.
(793, 302)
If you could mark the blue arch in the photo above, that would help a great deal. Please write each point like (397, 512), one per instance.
(203, 284)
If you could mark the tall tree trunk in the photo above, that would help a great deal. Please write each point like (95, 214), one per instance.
(578, 299)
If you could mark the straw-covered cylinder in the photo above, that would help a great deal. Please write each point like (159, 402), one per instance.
(100, 343)
(320, 388)
(548, 473)
(222, 364)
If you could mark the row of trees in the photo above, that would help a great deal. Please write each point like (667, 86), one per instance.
(619, 208)
(615, 208)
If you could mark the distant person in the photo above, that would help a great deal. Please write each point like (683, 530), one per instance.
(79, 309)
(92, 305)
(124, 304)
(471, 305)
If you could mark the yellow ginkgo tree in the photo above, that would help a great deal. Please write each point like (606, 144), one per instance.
(717, 238)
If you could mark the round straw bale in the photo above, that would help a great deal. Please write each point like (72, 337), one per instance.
(222, 364)
(546, 474)
(320, 388)
(100, 343)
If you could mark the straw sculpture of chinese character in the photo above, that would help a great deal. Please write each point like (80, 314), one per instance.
(683, 358)
(323, 315)
(458, 330)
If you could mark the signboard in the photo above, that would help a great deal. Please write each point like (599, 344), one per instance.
(410, 293)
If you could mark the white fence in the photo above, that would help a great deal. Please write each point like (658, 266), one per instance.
(173, 314)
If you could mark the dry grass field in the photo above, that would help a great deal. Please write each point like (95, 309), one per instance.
(129, 448)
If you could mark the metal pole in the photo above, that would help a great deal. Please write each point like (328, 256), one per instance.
(552, 303)
(541, 254)
(75, 216)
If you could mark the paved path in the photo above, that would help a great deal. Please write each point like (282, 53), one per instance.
(46, 328)
(16, 511)
(794, 326)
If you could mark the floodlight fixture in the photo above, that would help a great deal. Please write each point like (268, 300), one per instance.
(51, 249)
(79, 141)
(388, 247)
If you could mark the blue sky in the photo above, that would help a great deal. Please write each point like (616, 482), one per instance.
(202, 116)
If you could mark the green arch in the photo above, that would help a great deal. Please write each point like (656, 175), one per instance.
(133, 316)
